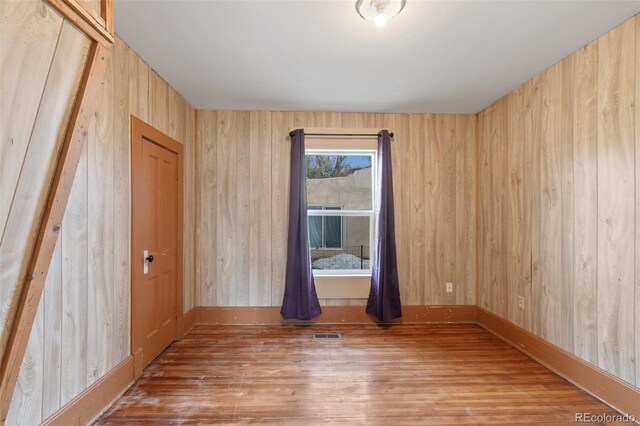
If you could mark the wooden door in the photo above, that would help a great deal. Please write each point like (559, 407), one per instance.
(156, 241)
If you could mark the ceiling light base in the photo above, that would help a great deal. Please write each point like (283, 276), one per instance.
(379, 11)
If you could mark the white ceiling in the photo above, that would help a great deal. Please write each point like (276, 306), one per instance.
(319, 55)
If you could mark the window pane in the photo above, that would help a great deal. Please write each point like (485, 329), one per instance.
(343, 180)
(333, 232)
(354, 252)
(315, 231)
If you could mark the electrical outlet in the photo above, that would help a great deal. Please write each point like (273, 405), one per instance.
(449, 287)
(521, 302)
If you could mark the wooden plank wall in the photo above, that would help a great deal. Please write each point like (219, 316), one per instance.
(559, 203)
(39, 82)
(34, 113)
(82, 329)
(243, 164)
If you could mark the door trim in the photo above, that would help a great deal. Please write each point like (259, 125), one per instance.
(140, 130)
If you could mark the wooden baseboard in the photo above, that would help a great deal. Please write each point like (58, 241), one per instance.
(595, 381)
(84, 408)
(270, 315)
(186, 322)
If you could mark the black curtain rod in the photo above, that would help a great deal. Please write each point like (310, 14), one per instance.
(341, 134)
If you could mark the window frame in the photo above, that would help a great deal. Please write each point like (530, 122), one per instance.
(344, 213)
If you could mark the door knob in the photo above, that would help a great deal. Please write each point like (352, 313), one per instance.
(149, 258)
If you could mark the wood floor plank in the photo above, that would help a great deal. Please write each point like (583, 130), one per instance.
(453, 374)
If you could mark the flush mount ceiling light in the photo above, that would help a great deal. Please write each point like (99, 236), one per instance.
(379, 11)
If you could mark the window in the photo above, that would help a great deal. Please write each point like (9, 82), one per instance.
(340, 202)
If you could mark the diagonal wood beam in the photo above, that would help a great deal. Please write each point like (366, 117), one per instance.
(32, 284)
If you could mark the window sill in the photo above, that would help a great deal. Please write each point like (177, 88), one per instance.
(343, 286)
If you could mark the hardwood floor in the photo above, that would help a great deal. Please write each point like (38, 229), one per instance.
(443, 374)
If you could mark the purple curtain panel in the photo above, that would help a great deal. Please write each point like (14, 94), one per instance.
(384, 296)
(300, 298)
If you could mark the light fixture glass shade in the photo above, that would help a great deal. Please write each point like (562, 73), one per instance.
(372, 9)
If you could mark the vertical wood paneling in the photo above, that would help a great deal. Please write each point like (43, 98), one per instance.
(435, 139)
(616, 191)
(484, 192)
(315, 119)
(350, 119)
(460, 231)
(420, 238)
(566, 204)
(333, 119)
(497, 202)
(260, 199)
(256, 254)
(174, 127)
(537, 119)
(248, 174)
(242, 194)
(75, 246)
(100, 213)
(207, 216)
(637, 241)
(26, 404)
(158, 102)
(502, 172)
(579, 202)
(450, 155)
(585, 193)
(528, 145)
(407, 179)
(52, 305)
(550, 290)
(296, 121)
(514, 221)
(190, 182)
(468, 217)
(280, 166)
(138, 87)
(227, 209)
(122, 203)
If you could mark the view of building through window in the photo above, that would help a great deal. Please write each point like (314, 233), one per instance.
(326, 232)
(340, 209)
